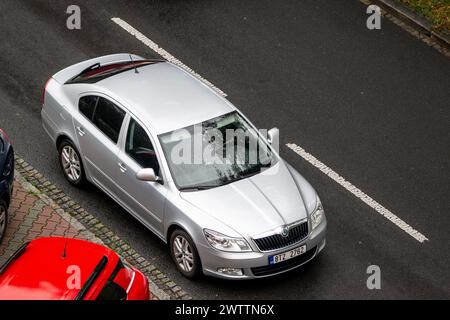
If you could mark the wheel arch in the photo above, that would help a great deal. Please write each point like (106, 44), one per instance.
(172, 227)
(61, 137)
(180, 226)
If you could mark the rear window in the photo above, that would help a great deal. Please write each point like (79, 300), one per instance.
(112, 291)
(97, 72)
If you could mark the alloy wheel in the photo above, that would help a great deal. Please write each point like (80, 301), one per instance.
(183, 253)
(71, 163)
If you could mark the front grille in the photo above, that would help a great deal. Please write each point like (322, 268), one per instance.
(277, 241)
(285, 265)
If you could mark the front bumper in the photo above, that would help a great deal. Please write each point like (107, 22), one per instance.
(213, 259)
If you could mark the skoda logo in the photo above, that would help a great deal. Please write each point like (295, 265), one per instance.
(285, 232)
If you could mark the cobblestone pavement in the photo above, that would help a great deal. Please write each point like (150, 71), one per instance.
(31, 218)
(39, 209)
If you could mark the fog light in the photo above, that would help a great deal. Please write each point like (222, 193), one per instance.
(231, 271)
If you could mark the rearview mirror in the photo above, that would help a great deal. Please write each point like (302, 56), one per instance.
(147, 174)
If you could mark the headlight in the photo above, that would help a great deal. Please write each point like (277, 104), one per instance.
(317, 215)
(225, 243)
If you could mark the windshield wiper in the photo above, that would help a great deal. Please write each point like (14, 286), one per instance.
(245, 174)
(198, 188)
(252, 171)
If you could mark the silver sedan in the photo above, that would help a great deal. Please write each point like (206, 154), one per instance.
(186, 163)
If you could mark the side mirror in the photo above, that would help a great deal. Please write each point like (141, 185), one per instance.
(147, 174)
(273, 136)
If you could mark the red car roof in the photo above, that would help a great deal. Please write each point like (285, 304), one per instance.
(42, 273)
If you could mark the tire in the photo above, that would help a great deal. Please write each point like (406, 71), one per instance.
(71, 164)
(187, 269)
(3, 218)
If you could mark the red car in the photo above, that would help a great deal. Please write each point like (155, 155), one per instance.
(69, 269)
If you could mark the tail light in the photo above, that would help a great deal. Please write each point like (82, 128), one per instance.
(43, 91)
(5, 135)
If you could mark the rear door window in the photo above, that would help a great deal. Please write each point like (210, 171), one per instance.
(87, 105)
(108, 118)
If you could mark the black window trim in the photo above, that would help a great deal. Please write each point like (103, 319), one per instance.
(119, 266)
(90, 281)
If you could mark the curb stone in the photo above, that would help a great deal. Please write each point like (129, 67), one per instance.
(415, 24)
(405, 13)
(162, 288)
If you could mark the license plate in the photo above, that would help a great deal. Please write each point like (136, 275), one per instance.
(287, 255)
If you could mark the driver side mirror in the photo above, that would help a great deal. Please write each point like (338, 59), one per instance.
(147, 174)
(273, 136)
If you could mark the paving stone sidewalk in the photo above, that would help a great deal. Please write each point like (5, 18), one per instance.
(31, 218)
(39, 209)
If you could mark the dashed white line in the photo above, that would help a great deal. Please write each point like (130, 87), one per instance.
(358, 193)
(300, 151)
(163, 53)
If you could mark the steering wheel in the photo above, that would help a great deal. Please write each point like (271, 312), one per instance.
(145, 151)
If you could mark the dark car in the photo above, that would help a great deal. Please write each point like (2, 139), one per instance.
(6, 179)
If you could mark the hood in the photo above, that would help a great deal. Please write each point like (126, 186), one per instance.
(254, 205)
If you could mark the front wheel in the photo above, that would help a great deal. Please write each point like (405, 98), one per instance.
(184, 254)
(71, 164)
(3, 218)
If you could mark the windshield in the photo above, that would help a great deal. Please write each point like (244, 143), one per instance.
(215, 152)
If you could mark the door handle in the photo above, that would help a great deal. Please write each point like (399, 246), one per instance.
(81, 131)
(122, 167)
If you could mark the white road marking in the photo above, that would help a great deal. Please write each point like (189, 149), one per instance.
(358, 193)
(300, 151)
(163, 53)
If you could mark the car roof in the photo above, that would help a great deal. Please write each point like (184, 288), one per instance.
(41, 272)
(165, 96)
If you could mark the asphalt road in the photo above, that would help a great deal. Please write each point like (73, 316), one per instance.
(372, 105)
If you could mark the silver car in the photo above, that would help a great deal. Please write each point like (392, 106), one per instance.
(148, 134)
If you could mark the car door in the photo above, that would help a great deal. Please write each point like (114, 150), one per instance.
(98, 126)
(145, 199)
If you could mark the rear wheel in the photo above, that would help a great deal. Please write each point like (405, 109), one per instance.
(184, 254)
(71, 164)
(3, 218)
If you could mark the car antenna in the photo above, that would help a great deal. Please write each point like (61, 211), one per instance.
(64, 254)
(135, 67)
